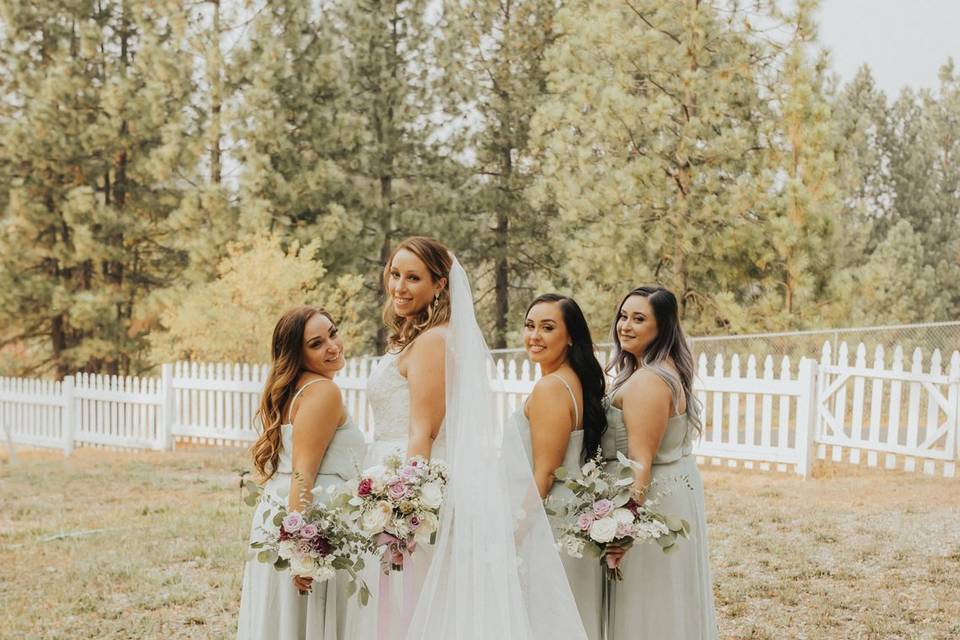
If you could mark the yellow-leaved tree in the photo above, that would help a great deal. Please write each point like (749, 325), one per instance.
(231, 318)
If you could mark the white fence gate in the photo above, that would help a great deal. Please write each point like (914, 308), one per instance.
(766, 414)
(901, 413)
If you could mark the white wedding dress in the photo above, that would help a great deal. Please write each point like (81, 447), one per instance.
(389, 396)
(494, 571)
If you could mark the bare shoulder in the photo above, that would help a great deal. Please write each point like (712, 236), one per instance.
(433, 336)
(320, 398)
(547, 387)
(429, 343)
(426, 352)
(645, 386)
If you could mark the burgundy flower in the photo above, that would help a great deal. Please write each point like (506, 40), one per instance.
(322, 546)
(364, 488)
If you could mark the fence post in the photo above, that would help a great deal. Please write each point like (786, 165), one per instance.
(69, 416)
(11, 447)
(807, 416)
(953, 399)
(165, 424)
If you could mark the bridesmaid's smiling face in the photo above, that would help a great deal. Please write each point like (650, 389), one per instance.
(410, 285)
(322, 346)
(636, 325)
(545, 335)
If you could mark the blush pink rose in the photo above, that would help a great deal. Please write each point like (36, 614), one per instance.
(585, 520)
(293, 522)
(397, 490)
(602, 507)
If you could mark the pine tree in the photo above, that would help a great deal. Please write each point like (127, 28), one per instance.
(806, 199)
(335, 135)
(95, 134)
(654, 147)
(496, 55)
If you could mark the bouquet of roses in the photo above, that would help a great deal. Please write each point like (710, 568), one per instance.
(397, 505)
(314, 542)
(603, 513)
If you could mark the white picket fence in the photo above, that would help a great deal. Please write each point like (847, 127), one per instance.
(758, 414)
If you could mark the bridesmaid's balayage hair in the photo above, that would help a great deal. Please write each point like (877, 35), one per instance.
(584, 363)
(286, 365)
(437, 258)
(669, 345)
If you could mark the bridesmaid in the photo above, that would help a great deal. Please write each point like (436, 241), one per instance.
(653, 418)
(563, 419)
(308, 441)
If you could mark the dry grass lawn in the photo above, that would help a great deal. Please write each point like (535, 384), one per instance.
(150, 545)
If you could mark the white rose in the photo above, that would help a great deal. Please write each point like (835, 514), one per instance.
(573, 547)
(431, 495)
(623, 516)
(429, 523)
(324, 572)
(286, 548)
(378, 478)
(376, 517)
(604, 530)
(303, 566)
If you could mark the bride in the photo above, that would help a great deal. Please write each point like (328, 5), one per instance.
(494, 570)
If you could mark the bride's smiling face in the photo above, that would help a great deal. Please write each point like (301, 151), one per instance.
(410, 285)
(322, 346)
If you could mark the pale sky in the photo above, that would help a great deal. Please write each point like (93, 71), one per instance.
(904, 41)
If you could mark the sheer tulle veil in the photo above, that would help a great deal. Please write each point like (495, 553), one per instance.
(496, 572)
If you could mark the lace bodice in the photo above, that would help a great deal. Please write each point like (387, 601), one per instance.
(389, 395)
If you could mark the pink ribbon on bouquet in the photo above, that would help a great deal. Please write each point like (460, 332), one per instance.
(393, 558)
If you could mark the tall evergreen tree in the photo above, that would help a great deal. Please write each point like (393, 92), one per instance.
(496, 53)
(95, 133)
(806, 199)
(336, 138)
(653, 144)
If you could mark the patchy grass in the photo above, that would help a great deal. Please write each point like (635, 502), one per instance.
(150, 545)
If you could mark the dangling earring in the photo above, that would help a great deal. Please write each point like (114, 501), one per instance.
(436, 300)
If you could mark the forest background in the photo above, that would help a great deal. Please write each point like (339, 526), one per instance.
(173, 175)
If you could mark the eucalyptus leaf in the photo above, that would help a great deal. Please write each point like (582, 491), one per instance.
(278, 519)
(281, 564)
(560, 473)
(621, 499)
(673, 523)
(667, 539)
(267, 555)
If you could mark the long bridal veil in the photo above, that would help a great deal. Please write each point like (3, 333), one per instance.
(495, 572)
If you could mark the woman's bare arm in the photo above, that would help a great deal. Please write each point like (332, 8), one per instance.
(425, 371)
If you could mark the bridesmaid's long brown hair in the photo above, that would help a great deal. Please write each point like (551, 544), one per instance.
(285, 368)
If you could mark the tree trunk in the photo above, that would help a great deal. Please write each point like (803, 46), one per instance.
(216, 101)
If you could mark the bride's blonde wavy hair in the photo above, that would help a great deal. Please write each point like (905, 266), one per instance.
(285, 368)
(437, 258)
